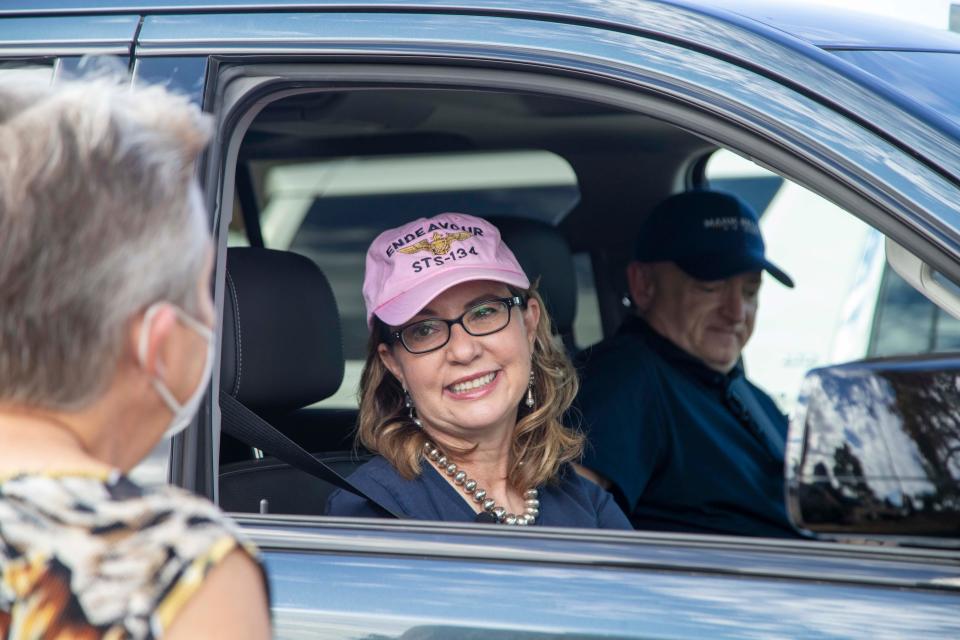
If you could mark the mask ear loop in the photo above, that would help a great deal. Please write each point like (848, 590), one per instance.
(148, 317)
(144, 337)
(172, 403)
(193, 323)
(143, 340)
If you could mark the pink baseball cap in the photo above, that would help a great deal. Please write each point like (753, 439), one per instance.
(410, 265)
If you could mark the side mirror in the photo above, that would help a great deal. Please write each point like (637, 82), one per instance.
(874, 451)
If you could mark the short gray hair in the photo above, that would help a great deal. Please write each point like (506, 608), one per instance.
(96, 223)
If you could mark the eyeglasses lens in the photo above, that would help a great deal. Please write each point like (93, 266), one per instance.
(483, 319)
(424, 336)
(487, 318)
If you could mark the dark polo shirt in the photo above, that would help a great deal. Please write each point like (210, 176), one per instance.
(571, 501)
(662, 428)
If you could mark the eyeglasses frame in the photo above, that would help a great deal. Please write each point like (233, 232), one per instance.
(511, 302)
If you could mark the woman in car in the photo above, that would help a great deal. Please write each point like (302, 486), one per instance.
(464, 387)
(105, 348)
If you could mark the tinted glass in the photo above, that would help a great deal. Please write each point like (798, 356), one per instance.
(25, 71)
(729, 172)
(930, 78)
(907, 323)
(757, 191)
(825, 318)
(848, 303)
(338, 225)
(331, 209)
(904, 319)
(587, 328)
(946, 332)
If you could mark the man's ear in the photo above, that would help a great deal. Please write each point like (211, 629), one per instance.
(642, 284)
(149, 336)
(390, 362)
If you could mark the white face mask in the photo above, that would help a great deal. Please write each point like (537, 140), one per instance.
(182, 413)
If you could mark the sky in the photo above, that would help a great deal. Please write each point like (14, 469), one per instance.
(931, 13)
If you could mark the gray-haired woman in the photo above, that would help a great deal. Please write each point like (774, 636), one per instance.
(105, 348)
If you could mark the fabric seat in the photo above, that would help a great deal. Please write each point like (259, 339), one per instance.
(282, 350)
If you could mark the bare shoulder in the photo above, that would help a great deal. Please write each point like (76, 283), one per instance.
(231, 603)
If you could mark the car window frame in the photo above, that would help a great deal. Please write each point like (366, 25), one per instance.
(266, 88)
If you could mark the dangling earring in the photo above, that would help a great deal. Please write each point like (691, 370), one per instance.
(412, 410)
(529, 401)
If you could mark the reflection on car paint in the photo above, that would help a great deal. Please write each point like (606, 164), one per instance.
(877, 443)
(582, 603)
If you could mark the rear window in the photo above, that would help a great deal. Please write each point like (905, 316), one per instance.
(330, 211)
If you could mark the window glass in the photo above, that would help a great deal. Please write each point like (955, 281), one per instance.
(330, 211)
(22, 71)
(907, 322)
(946, 332)
(327, 176)
(755, 185)
(836, 262)
(848, 303)
(587, 327)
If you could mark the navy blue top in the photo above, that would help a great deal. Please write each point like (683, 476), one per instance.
(662, 429)
(571, 502)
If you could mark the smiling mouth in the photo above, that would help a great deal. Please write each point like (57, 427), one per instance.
(470, 385)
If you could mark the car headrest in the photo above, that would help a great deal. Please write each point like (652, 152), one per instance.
(282, 347)
(543, 253)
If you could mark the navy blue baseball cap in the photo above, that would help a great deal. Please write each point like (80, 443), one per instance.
(709, 234)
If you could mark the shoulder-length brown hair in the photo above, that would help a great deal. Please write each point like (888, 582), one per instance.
(541, 444)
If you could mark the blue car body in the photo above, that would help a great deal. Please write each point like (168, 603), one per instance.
(867, 110)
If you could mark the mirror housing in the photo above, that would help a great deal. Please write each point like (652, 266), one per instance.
(873, 450)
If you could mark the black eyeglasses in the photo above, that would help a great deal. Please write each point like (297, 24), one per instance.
(479, 320)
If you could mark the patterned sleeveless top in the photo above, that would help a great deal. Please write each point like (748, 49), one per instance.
(83, 556)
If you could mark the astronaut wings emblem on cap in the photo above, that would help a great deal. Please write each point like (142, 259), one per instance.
(438, 244)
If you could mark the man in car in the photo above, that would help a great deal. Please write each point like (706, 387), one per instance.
(676, 431)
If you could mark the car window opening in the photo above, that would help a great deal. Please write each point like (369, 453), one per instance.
(322, 182)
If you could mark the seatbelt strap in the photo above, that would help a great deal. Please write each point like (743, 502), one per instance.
(245, 425)
(768, 433)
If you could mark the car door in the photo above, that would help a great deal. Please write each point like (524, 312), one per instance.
(773, 100)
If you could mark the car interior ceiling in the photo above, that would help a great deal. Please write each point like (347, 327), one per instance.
(624, 162)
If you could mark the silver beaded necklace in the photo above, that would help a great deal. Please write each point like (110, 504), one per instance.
(479, 495)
